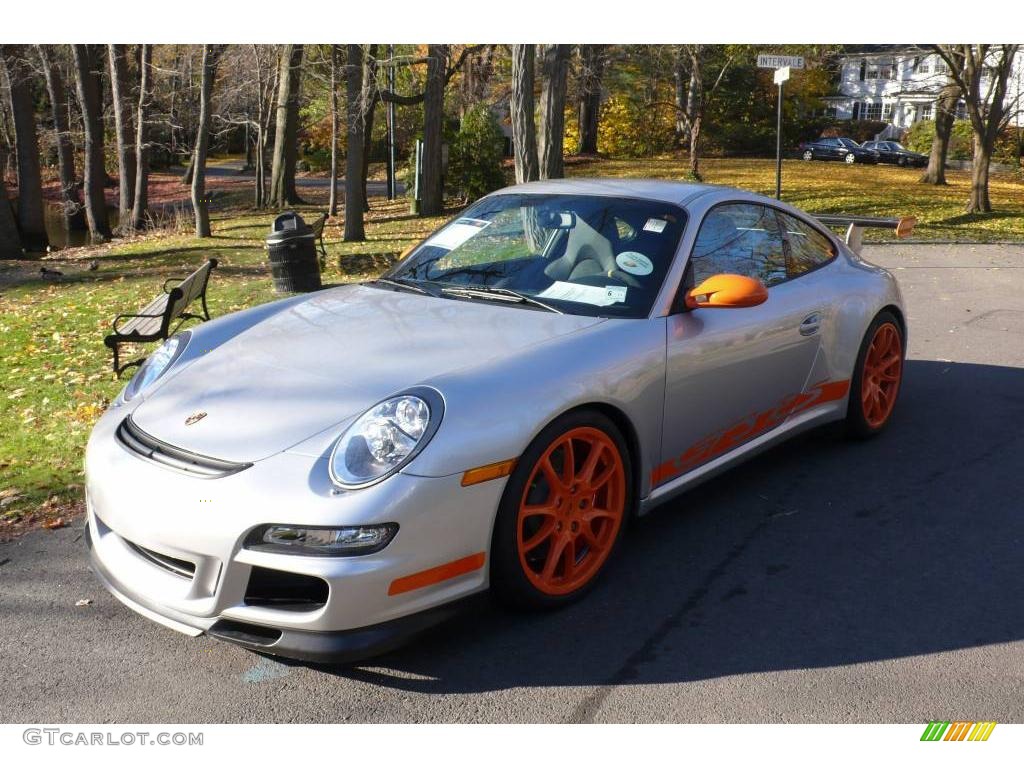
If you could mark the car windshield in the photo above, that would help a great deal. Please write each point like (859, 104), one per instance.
(578, 254)
(849, 143)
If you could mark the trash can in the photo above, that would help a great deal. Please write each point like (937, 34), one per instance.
(291, 246)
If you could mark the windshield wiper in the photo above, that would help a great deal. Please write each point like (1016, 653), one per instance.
(500, 294)
(406, 285)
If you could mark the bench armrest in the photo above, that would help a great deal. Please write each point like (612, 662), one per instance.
(119, 318)
(168, 287)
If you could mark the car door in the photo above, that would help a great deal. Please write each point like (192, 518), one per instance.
(731, 374)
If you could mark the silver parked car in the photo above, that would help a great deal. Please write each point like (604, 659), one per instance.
(322, 476)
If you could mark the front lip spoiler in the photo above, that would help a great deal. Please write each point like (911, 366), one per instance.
(341, 647)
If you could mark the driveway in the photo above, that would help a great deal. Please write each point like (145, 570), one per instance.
(826, 581)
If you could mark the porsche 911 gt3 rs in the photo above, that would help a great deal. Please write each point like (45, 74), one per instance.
(322, 476)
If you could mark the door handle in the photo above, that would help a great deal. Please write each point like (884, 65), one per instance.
(810, 324)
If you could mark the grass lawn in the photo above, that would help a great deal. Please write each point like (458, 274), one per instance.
(55, 376)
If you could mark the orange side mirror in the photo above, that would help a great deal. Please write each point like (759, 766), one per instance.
(730, 291)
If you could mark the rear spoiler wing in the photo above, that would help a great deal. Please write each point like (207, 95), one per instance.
(855, 226)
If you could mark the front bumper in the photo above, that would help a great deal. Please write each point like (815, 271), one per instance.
(203, 522)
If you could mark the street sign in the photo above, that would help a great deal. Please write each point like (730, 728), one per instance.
(771, 61)
(781, 75)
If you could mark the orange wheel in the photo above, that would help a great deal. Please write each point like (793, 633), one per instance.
(571, 511)
(877, 379)
(563, 512)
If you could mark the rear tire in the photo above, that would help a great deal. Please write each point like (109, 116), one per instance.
(559, 523)
(850, 159)
(808, 155)
(877, 377)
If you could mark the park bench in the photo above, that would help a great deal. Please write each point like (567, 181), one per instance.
(154, 321)
(318, 234)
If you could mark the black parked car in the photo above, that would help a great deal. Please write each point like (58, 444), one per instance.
(847, 150)
(894, 152)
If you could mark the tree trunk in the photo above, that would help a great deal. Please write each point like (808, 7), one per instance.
(354, 154)
(979, 201)
(592, 64)
(31, 211)
(552, 111)
(286, 142)
(95, 175)
(369, 111)
(432, 182)
(332, 203)
(123, 127)
(945, 115)
(200, 202)
(141, 202)
(10, 240)
(71, 203)
(524, 130)
(695, 126)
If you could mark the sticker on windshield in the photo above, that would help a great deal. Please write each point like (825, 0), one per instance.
(583, 294)
(616, 293)
(655, 225)
(634, 263)
(456, 233)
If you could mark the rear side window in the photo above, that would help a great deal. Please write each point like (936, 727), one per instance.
(740, 239)
(808, 248)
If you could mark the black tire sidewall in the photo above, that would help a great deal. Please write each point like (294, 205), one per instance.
(508, 582)
(856, 424)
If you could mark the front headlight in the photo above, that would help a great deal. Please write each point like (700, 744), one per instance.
(156, 365)
(386, 438)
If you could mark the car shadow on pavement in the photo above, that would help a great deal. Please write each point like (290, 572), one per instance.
(821, 552)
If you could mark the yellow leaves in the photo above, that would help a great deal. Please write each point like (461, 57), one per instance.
(16, 393)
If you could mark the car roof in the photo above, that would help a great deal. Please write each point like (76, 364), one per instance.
(647, 189)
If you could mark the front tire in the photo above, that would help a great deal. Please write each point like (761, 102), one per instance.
(877, 377)
(850, 159)
(563, 512)
(808, 155)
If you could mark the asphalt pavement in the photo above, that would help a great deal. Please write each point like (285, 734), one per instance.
(825, 581)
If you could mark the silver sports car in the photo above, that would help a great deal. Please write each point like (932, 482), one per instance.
(322, 476)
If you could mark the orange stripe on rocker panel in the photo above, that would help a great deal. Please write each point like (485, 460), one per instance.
(438, 574)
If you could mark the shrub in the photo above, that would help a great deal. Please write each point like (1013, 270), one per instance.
(961, 142)
(475, 153)
(631, 129)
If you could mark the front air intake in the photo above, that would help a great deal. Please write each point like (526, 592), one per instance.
(148, 447)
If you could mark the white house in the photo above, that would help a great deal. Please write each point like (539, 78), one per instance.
(899, 85)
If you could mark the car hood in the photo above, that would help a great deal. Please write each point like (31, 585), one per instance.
(327, 359)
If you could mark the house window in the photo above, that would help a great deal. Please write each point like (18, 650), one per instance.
(961, 111)
(879, 69)
(871, 111)
(926, 111)
(941, 67)
(863, 69)
(830, 111)
(923, 66)
(887, 111)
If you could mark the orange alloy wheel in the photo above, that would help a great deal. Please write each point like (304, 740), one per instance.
(571, 511)
(880, 379)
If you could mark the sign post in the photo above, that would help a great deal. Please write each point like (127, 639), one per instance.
(781, 76)
(782, 66)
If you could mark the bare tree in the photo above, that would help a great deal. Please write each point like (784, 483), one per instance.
(31, 213)
(71, 203)
(524, 131)
(200, 202)
(10, 240)
(592, 63)
(696, 66)
(432, 182)
(87, 88)
(141, 199)
(982, 72)
(120, 98)
(286, 141)
(552, 111)
(945, 116)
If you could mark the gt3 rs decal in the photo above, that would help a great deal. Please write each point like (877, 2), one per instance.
(718, 443)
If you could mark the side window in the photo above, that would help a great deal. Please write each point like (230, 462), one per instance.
(808, 248)
(739, 239)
